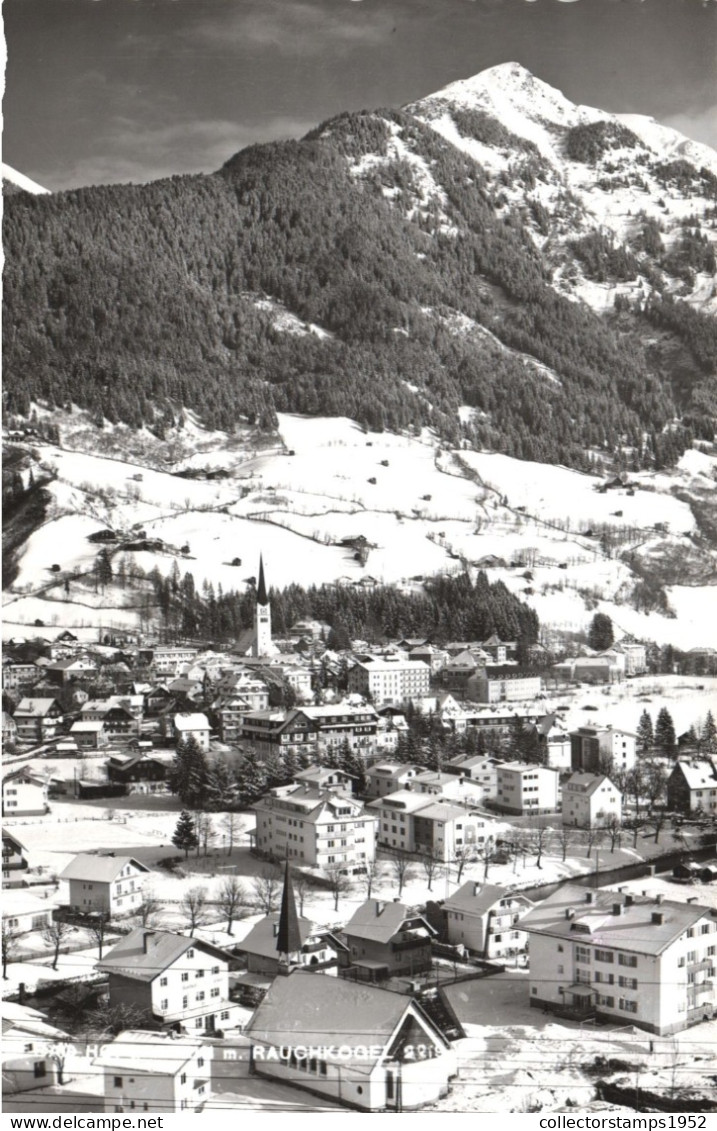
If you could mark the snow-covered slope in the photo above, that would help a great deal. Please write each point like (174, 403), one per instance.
(526, 134)
(19, 180)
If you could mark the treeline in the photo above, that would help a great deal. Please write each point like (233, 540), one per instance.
(449, 608)
(136, 301)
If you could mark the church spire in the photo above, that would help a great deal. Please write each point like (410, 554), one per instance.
(261, 597)
(288, 937)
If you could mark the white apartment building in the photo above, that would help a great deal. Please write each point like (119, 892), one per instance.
(524, 788)
(390, 679)
(423, 823)
(591, 748)
(485, 919)
(591, 801)
(169, 659)
(315, 827)
(627, 959)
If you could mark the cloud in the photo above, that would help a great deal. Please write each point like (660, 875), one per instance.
(700, 125)
(129, 151)
(304, 27)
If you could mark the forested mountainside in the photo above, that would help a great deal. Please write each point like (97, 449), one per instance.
(377, 269)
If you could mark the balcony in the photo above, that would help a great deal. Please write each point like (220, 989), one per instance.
(696, 967)
(410, 942)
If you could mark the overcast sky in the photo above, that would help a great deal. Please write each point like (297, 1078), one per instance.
(129, 90)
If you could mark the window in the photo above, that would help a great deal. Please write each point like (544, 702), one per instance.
(215, 969)
(183, 1078)
(604, 956)
(200, 1062)
(185, 977)
(117, 1082)
(163, 981)
(164, 1003)
(627, 983)
(582, 953)
(225, 1015)
(200, 973)
(215, 992)
(201, 995)
(628, 1006)
(38, 1069)
(190, 953)
(627, 960)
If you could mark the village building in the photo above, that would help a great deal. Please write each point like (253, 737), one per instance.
(37, 718)
(23, 794)
(192, 725)
(692, 786)
(623, 958)
(386, 939)
(325, 778)
(481, 770)
(140, 772)
(64, 671)
(485, 919)
(591, 801)
(168, 659)
(422, 823)
(315, 827)
(14, 860)
(503, 684)
(155, 1072)
(172, 979)
(388, 777)
(105, 885)
(389, 679)
(89, 735)
(395, 1059)
(280, 943)
(525, 788)
(593, 749)
(554, 742)
(24, 913)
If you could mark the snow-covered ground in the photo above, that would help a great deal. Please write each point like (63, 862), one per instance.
(422, 509)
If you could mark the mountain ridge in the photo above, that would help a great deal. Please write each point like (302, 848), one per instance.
(390, 240)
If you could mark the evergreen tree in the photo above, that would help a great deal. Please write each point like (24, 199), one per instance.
(251, 779)
(708, 735)
(189, 773)
(600, 634)
(665, 738)
(185, 836)
(221, 792)
(645, 733)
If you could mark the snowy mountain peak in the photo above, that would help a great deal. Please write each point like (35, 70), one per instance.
(20, 181)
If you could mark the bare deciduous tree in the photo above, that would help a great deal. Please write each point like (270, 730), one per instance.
(193, 906)
(338, 881)
(370, 876)
(400, 863)
(231, 897)
(432, 866)
(267, 889)
(97, 929)
(230, 824)
(54, 934)
(149, 910)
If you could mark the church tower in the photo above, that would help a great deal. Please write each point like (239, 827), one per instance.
(262, 618)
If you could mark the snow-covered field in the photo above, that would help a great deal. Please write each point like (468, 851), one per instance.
(422, 509)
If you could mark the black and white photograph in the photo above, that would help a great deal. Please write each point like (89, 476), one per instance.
(359, 489)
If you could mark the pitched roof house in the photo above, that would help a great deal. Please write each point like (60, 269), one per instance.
(386, 939)
(365, 1047)
(171, 978)
(484, 919)
(110, 885)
